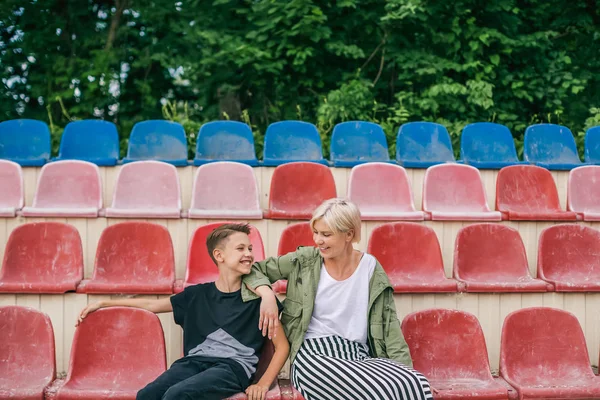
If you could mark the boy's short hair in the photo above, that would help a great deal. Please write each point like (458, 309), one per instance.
(340, 215)
(220, 234)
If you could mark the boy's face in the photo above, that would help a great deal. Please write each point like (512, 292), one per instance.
(235, 254)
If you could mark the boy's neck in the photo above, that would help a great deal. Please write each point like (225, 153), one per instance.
(228, 283)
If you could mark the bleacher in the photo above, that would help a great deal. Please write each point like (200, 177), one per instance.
(495, 261)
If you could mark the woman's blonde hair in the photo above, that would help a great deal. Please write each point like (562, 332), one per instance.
(340, 215)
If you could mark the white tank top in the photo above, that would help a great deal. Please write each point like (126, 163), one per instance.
(341, 307)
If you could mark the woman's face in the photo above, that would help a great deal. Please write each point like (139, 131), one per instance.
(330, 244)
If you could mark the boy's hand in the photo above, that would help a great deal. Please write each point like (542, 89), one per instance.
(257, 392)
(90, 308)
(269, 314)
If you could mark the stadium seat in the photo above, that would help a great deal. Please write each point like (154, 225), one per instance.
(116, 352)
(68, 188)
(454, 192)
(225, 190)
(289, 141)
(200, 267)
(42, 257)
(95, 141)
(583, 192)
(410, 255)
(297, 189)
(423, 144)
(569, 256)
(25, 141)
(158, 140)
(146, 189)
(448, 347)
(543, 355)
(11, 188)
(382, 192)
(225, 141)
(491, 258)
(551, 146)
(27, 363)
(358, 142)
(528, 193)
(486, 145)
(592, 145)
(134, 258)
(292, 237)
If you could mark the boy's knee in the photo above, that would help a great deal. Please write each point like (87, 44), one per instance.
(177, 393)
(150, 392)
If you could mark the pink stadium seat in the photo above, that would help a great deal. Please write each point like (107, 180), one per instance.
(448, 347)
(26, 353)
(583, 192)
(146, 189)
(225, 190)
(11, 188)
(292, 237)
(67, 188)
(200, 267)
(382, 192)
(543, 355)
(410, 254)
(569, 258)
(491, 258)
(116, 352)
(133, 257)
(42, 257)
(528, 193)
(298, 188)
(455, 192)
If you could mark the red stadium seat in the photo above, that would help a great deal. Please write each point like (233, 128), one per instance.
(298, 188)
(528, 193)
(382, 192)
(27, 364)
(448, 347)
(491, 258)
(42, 257)
(133, 257)
(410, 254)
(225, 190)
(583, 192)
(543, 355)
(116, 352)
(67, 188)
(292, 237)
(455, 192)
(569, 256)
(146, 189)
(11, 188)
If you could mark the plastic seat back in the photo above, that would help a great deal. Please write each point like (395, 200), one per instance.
(289, 141)
(487, 145)
(225, 141)
(357, 142)
(95, 141)
(11, 188)
(158, 140)
(551, 146)
(592, 145)
(25, 141)
(583, 191)
(42, 257)
(423, 144)
(297, 189)
(27, 363)
(294, 236)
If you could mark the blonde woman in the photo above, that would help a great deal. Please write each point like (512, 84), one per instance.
(339, 315)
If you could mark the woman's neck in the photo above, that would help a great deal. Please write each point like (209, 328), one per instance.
(342, 266)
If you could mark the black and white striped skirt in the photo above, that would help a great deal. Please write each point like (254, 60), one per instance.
(333, 368)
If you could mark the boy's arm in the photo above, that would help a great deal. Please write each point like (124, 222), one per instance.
(152, 305)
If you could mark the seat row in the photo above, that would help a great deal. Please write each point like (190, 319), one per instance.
(137, 258)
(117, 351)
(418, 144)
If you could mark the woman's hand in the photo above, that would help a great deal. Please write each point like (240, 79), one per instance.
(257, 392)
(269, 312)
(88, 309)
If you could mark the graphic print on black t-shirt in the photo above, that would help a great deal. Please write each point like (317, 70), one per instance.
(220, 325)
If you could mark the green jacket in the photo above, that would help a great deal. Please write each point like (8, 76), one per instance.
(302, 269)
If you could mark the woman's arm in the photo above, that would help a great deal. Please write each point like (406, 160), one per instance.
(152, 305)
(270, 270)
(395, 345)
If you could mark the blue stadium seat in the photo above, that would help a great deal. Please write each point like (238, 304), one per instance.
(158, 140)
(488, 145)
(551, 146)
(90, 140)
(592, 145)
(423, 144)
(225, 141)
(289, 141)
(358, 142)
(25, 141)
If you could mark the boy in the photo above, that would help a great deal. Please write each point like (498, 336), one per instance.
(221, 340)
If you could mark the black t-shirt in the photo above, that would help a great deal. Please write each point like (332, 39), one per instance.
(219, 325)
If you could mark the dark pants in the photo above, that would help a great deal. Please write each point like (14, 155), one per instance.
(197, 378)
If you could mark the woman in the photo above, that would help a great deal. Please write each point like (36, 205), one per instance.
(339, 315)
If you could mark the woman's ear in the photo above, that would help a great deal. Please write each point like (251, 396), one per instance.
(350, 235)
